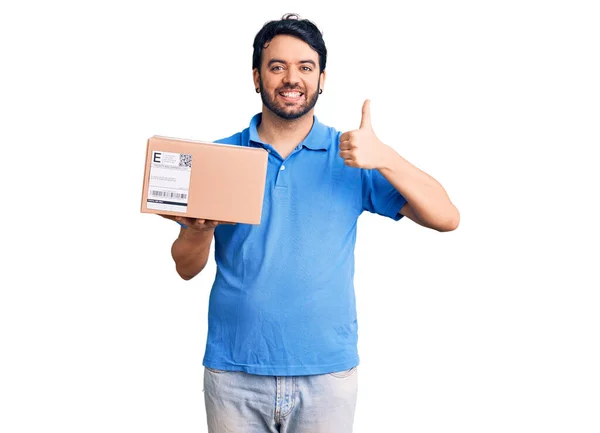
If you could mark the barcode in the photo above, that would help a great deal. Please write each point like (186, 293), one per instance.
(169, 194)
(185, 160)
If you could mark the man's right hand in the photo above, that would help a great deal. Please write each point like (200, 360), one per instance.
(196, 223)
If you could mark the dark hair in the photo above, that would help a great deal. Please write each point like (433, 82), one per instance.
(290, 24)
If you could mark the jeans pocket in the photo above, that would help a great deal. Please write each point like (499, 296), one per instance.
(343, 373)
(214, 370)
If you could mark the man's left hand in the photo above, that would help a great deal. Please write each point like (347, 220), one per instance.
(361, 148)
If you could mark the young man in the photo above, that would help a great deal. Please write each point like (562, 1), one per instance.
(281, 352)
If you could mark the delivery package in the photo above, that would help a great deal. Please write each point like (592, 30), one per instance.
(200, 179)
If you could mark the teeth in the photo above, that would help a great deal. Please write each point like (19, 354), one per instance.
(291, 94)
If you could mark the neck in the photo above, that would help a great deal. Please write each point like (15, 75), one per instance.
(282, 133)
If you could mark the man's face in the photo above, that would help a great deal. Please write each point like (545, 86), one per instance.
(289, 77)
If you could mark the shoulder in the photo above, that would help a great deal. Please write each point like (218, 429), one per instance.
(235, 139)
(325, 136)
(243, 137)
(334, 137)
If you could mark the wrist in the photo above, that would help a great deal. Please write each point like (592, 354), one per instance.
(386, 157)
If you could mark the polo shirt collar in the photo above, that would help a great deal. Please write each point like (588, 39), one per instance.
(317, 138)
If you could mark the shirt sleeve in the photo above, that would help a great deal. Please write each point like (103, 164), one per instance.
(235, 139)
(379, 196)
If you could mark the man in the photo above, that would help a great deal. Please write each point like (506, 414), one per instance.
(281, 352)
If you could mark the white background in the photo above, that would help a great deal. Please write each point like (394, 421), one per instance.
(491, 328)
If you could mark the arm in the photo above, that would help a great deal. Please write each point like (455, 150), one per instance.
(190, 251)
(428, 203)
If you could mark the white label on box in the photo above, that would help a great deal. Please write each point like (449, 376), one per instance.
(169, 183)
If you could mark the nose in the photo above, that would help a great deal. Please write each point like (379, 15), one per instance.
(291, 77)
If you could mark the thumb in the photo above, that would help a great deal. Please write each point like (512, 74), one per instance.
(365, 121)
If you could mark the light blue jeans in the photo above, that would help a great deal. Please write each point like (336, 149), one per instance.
(238, 402)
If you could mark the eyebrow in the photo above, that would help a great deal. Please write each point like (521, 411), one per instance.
(284, 62)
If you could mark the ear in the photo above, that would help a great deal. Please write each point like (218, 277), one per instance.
(256, 78)
(322, 80)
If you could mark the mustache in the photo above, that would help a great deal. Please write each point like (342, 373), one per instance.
(291, 89)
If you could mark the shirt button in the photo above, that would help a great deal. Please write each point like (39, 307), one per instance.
(282, 167)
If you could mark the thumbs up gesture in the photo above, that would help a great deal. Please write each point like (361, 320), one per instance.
(361, 148)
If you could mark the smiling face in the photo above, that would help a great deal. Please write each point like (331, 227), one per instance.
(289, 79)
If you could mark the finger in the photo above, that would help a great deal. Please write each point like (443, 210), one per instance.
(365, 121)
(192, 223)
(346, 154)
(188, 222)
(346, 145)
(214, 223)
(350, 162)
(347, 157)
(204, 224)
(345, 136)
(169, 217)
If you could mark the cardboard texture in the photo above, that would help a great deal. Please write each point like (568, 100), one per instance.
(199, 179)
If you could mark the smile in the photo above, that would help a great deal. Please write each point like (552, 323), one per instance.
(291, 95)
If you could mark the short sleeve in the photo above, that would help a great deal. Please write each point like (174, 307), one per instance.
(379, 196)
(235, 139)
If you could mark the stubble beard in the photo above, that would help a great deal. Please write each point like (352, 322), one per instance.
(281, 111)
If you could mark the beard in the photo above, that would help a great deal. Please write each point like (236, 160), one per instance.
(285, 111)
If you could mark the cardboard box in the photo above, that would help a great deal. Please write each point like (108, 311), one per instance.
(205, 180)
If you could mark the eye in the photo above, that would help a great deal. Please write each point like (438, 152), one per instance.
(277, 68)
(306, 68)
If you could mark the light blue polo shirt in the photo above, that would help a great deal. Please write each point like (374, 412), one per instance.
(283, 302)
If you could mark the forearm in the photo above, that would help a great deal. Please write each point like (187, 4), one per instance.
(425, 195)
(190, 251)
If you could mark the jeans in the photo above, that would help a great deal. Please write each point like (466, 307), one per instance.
(238, 402)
